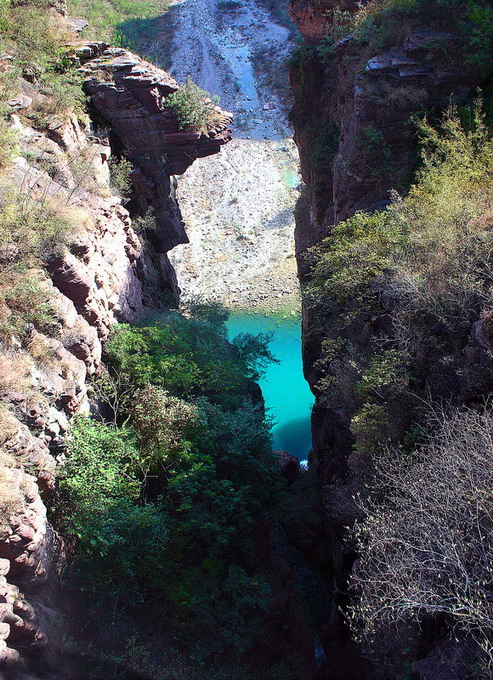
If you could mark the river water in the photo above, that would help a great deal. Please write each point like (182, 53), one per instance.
(286, 393)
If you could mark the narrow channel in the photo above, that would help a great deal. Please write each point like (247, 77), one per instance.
(238, 206)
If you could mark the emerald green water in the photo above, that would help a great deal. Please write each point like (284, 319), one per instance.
(286, 393)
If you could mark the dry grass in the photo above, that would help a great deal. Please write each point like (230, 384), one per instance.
(11, 492)
(9, 425)
(42, 353)
(426, 544)
(15, 371)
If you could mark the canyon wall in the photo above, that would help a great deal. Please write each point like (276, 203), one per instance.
(104, 273)
(355, 100)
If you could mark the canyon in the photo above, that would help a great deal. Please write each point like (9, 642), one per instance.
(210, 216)
(241, 249)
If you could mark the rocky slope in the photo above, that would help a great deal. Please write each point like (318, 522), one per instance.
(104, 275)
(241, 249)
(354, 102)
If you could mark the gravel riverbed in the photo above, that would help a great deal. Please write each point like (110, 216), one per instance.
(238, 206)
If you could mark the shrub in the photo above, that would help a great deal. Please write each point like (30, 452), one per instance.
(446, 205)
(101, 468)
(120, 176)
(162, 423)
(426, 548)
(379, 23)
(33, 228)
(122, 543)
(39, 35)
(212, 313)
(24, 301)
(8, 141)
(186, 357)
(193, 107)
(387, 266)
(478, 29)
(38, 38)
(63, 95)
(10, 493)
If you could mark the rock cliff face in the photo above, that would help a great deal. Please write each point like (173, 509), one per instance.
(353, 111)
(101, 276)
(315, 18)
(129, 95)
(353, 120)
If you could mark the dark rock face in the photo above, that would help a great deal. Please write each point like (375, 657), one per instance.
(353, 128)
(450, 659)
(314, 18)
(289, 465)
(353, 122)
(29, 549)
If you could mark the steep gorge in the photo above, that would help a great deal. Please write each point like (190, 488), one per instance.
(354, 100)
(106, 276)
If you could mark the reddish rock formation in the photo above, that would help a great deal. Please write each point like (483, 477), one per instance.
(352, 116)
(315, 18)
(100, 276)
(129, 95)
(28, 548)
(353, 122)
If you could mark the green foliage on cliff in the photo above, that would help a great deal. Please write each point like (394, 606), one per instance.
(164, 502)
(101, 478)
(419, 268)
(380, 24)
(187, 357)
(193, 107)
(34, 40)
(33, 228)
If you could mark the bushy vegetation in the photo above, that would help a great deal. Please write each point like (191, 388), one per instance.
(164, 500)
(426, 547)
(422, 266)
(120, 170)
(38, 39)
(193, 107)
(33, 228)
(380, 23)
(396, 300)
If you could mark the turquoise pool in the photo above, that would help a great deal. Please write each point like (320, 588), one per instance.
(286, 393)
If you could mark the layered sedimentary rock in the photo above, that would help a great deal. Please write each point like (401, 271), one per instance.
(354, 130)
(101, 274)
(129, 95)
(353, 120)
